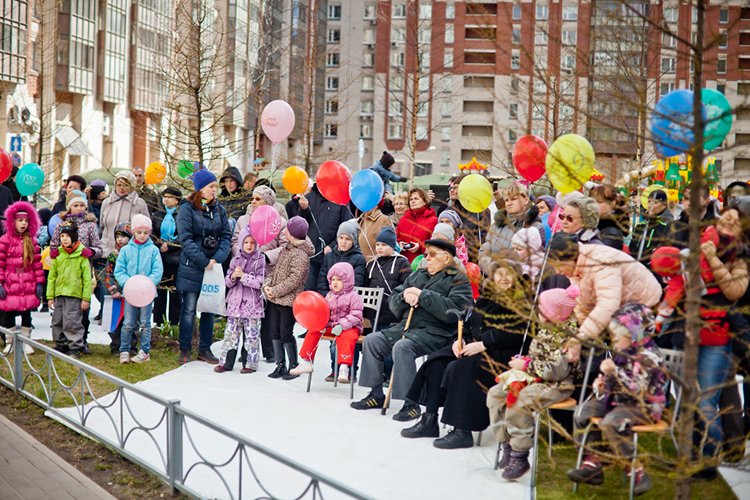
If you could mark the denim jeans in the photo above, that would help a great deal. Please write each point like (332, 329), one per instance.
(187, 320)
(136, 318)
(713, 366)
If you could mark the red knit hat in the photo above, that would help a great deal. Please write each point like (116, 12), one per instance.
(557, 304)
(665, 261)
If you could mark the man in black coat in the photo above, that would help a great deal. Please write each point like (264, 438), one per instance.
(233, 196)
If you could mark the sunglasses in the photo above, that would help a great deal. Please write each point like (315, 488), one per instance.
(434, 253)
(568, 218)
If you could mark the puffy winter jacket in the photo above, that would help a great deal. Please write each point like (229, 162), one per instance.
(88, 232)
(352, 256)
(416, 227)
(288, 279)
(387, 176)
(501, 232)
(193, 227)
(386, 273)
(244, 299)
(70, 276)
(650, 234)
(346, 306)
(136, 259)
(18, 279)
(116, 209)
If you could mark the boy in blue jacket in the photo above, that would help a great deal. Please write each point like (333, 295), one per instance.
(139, 256)
(382, 167)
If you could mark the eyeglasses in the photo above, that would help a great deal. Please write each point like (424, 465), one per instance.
(568, 218)
(257, 198)
(453, 188)
(434, 253)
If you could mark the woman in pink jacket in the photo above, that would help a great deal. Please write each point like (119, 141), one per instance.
(21, 274)
(345, 322)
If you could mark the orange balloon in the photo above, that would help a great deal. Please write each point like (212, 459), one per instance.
(295, 180)
(155, 173)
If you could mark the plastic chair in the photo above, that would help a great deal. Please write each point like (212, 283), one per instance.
(674, 362)
(371, 299)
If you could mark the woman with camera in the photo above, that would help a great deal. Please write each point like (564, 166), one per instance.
(205, 237)
(416, 226)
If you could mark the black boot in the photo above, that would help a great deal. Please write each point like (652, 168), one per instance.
(457, 438)
(426, 427)
(518, 466)
(229, 362)
(278, 350)
(291, 353)
(505, 459)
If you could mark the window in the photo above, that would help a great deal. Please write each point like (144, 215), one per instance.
(449, 35)
(448, 58)
(445, 134)
(397, 59)
(368, 36)
(396, 82)
(368, 60)
(421, 132)
(332, 131)
(365, 131)
(515, 85)
(425, 11)
(445, 158)
(665, 88)
(424, 60)
(423, 109)
(425, 34)
(670, 14)
(512, 136)
(722, 41)
(540, 38)
(398, 35)
(395, 131)
(566, 112)
(569, 37)
(332, 83)
(516, 36)
(542, 11)
(476, 57)
(720, 87)
(332, 59)
(721, 65)
(567, 87)
(399, 11)
(668, 40)
(450, 11)
(540, 86)
(366, 107)
(723, 16)
(334, 36)
(515, 60)
(334, 12)
(568, 62)
(447, 108)
(332, 106)
(369, 11)
(368, 83)
(570, 12)
(668, 64)
(517, 12)
(513, 110)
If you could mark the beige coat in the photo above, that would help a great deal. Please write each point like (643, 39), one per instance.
(608, 279)
(116, 209)
(370, 225)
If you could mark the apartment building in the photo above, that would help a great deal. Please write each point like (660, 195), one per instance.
(439, 82)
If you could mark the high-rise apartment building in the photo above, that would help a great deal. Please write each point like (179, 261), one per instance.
(438, 82)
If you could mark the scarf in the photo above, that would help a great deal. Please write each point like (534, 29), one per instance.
(71, 248)
(168, 225)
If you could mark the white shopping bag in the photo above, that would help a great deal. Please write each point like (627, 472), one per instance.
(212, 298)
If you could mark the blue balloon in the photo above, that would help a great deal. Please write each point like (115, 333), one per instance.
(53, 223)
(366, 190)
(672, 123)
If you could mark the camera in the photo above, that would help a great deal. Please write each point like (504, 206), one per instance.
(210, 242)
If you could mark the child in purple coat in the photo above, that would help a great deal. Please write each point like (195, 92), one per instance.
(244, 305)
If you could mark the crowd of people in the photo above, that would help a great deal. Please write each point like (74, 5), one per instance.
(559, 274)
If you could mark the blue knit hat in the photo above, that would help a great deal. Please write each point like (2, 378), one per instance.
(387, 236)
(203, 178)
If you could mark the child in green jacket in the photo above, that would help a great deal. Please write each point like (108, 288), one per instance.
(69, 292)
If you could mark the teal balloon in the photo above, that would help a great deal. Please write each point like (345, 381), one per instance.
(29, 179)
(718, 118)
(366, 190)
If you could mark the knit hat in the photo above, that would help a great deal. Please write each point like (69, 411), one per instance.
(635, 320)
(549, 200)
(589, 209)
(71, 229)
(172, 191)
(563, 247)
(453, 217)
(297, 227)
(96, 191)
(387, 236)
(387, 159)
(350, 229)
(266, 193)
(98, 182)
(665, 261)
(123, 228)
(557, 304)
(442, 245)
(527, 237)
(127, 176)
(203, 178)
(244, 234)
(141, 222)
(76, 197)
(444, 230)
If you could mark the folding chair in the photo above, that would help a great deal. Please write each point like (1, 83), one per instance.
(674, 362)
(371, 298)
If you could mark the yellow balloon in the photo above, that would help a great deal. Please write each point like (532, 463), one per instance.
(475, 193)
(647, 192)
(155, 173)
(570, 162)
(295, 180)
(46, 260)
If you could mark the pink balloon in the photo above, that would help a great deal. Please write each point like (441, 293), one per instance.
(139, 291)
(277, 120)
(265, 224)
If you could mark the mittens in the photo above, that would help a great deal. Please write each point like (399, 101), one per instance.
(54, 252)
(336, 330)
(87, 252)
(40, 291)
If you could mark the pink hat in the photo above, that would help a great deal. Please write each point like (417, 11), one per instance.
(140, 222)
(557, 304)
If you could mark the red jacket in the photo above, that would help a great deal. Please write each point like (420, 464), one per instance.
(416, 227)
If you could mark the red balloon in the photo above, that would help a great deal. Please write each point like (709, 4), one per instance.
(333, 181)
(311, 310)
(6, 165)
(475, 277)
(529, 157)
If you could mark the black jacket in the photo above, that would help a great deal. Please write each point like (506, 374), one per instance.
(235, 203)
(652, 232)
(613, 228)
(500, 330)
(352, 256)
(679, 232)
(386, 273)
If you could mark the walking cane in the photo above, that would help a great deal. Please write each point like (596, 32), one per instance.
(387, 401)
(460, 316)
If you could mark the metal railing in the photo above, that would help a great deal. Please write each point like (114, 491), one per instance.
(173, 430)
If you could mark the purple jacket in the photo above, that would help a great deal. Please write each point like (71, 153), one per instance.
(346, 306)
(244, 298)
(88, 232)
(18, 279)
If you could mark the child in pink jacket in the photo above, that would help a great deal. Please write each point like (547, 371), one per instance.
(345, 322)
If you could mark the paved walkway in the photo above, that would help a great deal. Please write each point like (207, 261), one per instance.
(32, 471)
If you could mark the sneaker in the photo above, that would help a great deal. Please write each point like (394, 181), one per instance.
(344, 374)
(643, 481)
(331, 377)
(75, 353)
(408, 412)
(124, 358)
(590, 472)
(184, 357)
(246, 370)
(455, 439)
(304, 366)
(141, 357)
(220, 369)
(370, 402)
(208, 357)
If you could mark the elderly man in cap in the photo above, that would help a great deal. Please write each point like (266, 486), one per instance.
(427, 295)
(654, 230)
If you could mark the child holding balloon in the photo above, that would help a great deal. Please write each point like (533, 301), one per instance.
(139, 257)
(123, 235)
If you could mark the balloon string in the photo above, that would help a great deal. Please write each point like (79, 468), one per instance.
(369, 245)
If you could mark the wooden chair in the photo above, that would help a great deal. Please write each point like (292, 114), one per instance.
(371, 298)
